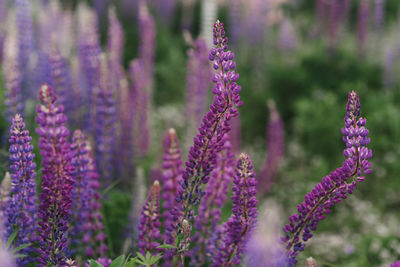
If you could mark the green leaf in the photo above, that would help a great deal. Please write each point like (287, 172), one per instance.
(132, 263)
(167, 246)
(21, 247)
(155, 259)
(12, 238)
(148, 256)
(93, 263)
(179, 239)
(140, 256)
(118, 262)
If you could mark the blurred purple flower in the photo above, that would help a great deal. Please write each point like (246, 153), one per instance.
(275, 148)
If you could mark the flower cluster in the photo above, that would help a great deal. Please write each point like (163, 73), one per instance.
(336, 186)
(275, 148)
(21, 209)
(212, 202)
(236, 230)
(55, 198)
(216, 123)
(172, 177)
(149, 225)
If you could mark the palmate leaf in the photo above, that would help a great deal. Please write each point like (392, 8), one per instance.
(118, 262)
(93, 263)
(167, 246)
(15, 250)
(12, 238)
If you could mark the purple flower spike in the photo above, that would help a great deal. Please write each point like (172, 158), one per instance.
(94, 237)
(55, 199)
(213, 201)
(275, 148)
(21, 209)
(172, 178)
(149, 234)
(197, 86)
(115, 44)
(237, 229)
(336, 186)
(105, 125)
(13, 98)
(81, 194)
(209, 141)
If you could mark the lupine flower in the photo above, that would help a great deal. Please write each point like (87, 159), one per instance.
(213, 201)
(105, 125)
(21, 209)
(25, 37)
(263, 248)
(234, 17)
(59, 75)
(237, 229)
(115, 42)
(172, 177)
(197, 86)
(336, 186)
(202, 156)
(149, 225)
(275, 147)
(141, 97)
(55, 199)
(362, 24)
(13, 97)
(89, 52)
(81, 194)
(142, 76)
(395, 264)
(94, 237)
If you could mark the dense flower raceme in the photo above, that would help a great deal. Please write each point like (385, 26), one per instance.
(94, 236)
(275, 148)
(21, 209)
(55, 199)
(213, 201)
(197, 86)
(172, 177)
(216, 123)
(87, 228)
(336, 186)
(236, 231)
(104, 125)
(142, 77)
(149, 226)
(13, 97)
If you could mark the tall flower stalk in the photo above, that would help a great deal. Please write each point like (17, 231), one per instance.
(21, 209)
(172, 178)
(149, 225)
(275, 147)
(202, 158)
(236, 231)
(336, 186)
(214, 199)
(55, 198)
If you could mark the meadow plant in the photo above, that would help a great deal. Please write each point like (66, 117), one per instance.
(336, 186)
(57, 174)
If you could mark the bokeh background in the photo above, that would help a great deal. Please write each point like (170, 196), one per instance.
(306, 55)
